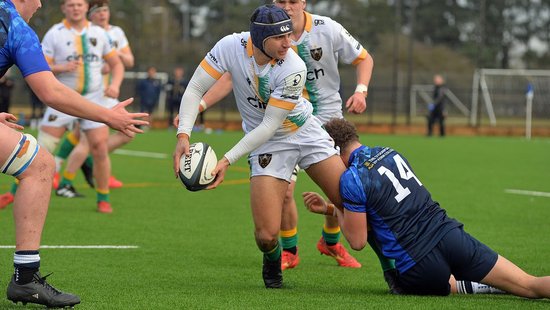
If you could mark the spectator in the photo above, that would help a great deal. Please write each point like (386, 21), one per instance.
(436, 111)
(148, 90)
(175, 88)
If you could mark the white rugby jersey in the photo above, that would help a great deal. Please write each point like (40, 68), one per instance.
(324, 42)
(62, 44)
(279, 83)
(119, 42)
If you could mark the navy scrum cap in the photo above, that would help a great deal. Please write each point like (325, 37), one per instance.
(266, 22)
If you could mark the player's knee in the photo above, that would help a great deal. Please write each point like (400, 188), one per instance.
(47, 141)
(28, 158)
(99, 150)
(266, 241)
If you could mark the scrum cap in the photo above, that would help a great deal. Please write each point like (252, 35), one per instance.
(266, 22)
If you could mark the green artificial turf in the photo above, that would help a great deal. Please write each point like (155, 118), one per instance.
(196, 249)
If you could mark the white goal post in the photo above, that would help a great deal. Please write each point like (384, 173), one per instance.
(425, 92)
(509, 93)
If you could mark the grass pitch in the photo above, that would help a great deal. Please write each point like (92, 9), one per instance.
(196, 250)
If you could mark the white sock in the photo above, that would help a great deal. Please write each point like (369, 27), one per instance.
(469, 287)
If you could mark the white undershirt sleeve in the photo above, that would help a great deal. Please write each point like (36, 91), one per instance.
(272, 120)
(189, 107)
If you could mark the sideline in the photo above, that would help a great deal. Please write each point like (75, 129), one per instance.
(527, 193)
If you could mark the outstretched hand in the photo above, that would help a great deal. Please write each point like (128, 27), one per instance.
(9, 119)
(126, 122)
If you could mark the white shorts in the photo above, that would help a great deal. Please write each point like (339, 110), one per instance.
(109, 102)
(278, 158)
(54, 118)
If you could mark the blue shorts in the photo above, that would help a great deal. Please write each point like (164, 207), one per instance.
(458, 254)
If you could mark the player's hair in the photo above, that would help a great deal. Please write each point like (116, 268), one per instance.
(342, 132)
(268, 21)
(96, 4)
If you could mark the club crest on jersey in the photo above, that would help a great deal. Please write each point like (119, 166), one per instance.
(316, 53)
(264, 160)
(93, 41)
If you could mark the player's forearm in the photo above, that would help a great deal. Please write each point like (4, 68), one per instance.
(364, 70)
(199, 84)
(273, 119)
(117, 71)
(219, 90)
(60, 97)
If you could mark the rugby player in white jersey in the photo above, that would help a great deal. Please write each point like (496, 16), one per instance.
(99, 14)
(321, 43)
(280, 130)
(75, 50)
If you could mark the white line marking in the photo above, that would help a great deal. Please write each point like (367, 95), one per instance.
(527, 193)
(118, 247)
(140, 154)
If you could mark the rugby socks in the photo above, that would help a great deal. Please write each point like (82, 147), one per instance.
(67, 145)
(68, 178)
(331, 235)
(289, 240)
(89, 162)
(65, 148)
(273, 254)
(102, 195)
(469, 287)
(14, 187)
(385, 263)
(26, 263)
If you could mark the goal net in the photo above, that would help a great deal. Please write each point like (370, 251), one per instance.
(511, 96)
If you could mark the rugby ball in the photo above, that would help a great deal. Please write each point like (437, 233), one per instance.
(196, 169)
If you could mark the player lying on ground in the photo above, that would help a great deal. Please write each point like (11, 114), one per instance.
(380, 190)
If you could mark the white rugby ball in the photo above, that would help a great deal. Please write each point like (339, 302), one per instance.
(196, 169)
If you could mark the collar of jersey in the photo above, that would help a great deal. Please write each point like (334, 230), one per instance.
(250, 51)
(307, 29)
(354, 154)
(309, 21)
(68, 26)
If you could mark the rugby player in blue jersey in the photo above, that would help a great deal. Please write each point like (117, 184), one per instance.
(382, 196)
(21, 157)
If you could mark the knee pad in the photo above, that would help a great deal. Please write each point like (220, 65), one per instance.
(47, 141)
(22, 156)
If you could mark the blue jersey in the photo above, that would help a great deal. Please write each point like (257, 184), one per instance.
(405, 220)
(19, 44)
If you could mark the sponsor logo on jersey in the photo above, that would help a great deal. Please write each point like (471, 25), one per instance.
(93, 41)
(88, 58)
(316, 53)
(315, 74)
(214, 59)
(293, 85)
(256, 102)
(264, 160)
(52, 118)
(318, 22)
